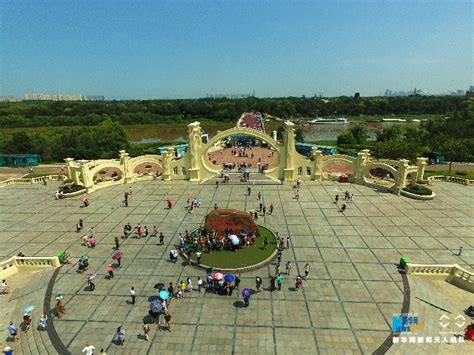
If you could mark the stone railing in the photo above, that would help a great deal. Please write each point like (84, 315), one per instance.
(455, 179)
(36, 180)
(451, 273)
(17, 263)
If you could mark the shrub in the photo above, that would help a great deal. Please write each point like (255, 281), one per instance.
(67, 189)
(418, 190)
(462, 173)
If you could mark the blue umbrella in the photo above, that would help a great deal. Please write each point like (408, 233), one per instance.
(246, 292)
(156, 306)
(164, 295)
(28, 309)
(229, 278)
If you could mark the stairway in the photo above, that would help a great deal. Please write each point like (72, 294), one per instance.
(255, 179)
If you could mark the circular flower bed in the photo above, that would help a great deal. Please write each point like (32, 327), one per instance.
(244, 256)
(418, 190)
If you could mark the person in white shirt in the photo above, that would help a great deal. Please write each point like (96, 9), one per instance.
(89, 349)
(133, 294)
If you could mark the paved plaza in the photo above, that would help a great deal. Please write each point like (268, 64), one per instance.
(345, 306)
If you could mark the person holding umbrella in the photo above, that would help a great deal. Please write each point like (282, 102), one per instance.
(246, 296)
(118, 256)
(120, 336)
(90, 283)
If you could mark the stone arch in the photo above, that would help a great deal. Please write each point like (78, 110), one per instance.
(342, 160)
(207, 164)
(386, 167)
(107, 167)
(142, 160)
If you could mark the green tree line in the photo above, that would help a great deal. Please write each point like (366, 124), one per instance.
(101, 141)
(49, 113)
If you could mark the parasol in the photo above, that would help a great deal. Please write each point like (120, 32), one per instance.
(84, 257)
(156, 306)
(218, 276)
(235, 241)
(61, 254)
(164, 295)
(91, 277)
(229, 278)
(246, 292)
(159, 286)
(117, 255)
(59, 296)
(28, 309)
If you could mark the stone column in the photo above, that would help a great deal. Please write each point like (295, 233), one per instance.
(69, 165)
(400, 181)
(194, 151)
(274, 135)
(421, 163)
(167, 158)
(290, 151)
(127, 175)
(87, 177)
(360, 165)
(316, 156)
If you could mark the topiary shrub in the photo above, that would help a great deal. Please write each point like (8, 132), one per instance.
(418, 190)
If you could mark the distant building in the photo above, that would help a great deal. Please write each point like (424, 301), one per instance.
(48, 97)
(9, 99)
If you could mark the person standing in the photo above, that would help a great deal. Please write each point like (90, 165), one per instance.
(110, 270)
(306, 270)
(130, 190)
(89, 349)
(271, 208)
(146, 331)
(170, 204)
(217, 184)
(259, 195)
(13, 331)
(117, 243)
(120, 336)
(133, 294)
(337, 199)
(199, 282)
(162, 239)
(260, 207)
(279, 281)
(247, 300)
(125, 200)
(60, 310)
(460, 250)
(264, 210)
(189, 285)
(91, 284)
(215, 206)
(258, 284)
(288, 268)
(249, 190)
(138, 227)
(198, 257)
(146, 232)
(272, 283)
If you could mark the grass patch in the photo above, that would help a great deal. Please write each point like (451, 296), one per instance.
(418, 190)
(67, 189)
(248, 256)
(461, 174)
(36, 175)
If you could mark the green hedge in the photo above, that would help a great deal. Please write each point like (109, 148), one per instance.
(67, 189)
(418, 190)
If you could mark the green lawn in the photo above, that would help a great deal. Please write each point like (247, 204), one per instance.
(35, 175)
(242, 257)
(460, 174)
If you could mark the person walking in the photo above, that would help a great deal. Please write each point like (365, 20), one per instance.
(91, 284)
(279, 281)
(133, 294)
(13, 331)
(60, 310)
(217, 184)
(265, 243)
(460, 250)
(260, 207)
(120, 336)
(249, 190)
(288, 268)
(162, 239)
(146, 232)
(337, 199)
(271, 208)
(146, 331)
(306, 270)
(272, 283)
(198, 257)
(138, 227)
(259, 195)
(288, 242)
(117, 243)
(88, 349)
(167, 321)
(247, 300)
(264, 210)
(110, 270)
(182, 287)
(169, 203)
(298, 283)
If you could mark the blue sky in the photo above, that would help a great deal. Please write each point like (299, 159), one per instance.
(176, 49)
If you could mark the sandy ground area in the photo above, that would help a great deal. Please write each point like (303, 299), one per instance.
(225, 155)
